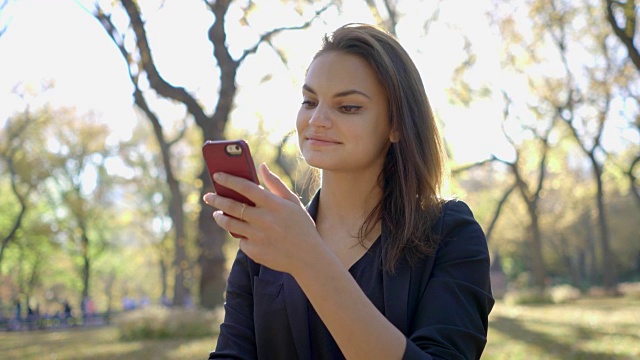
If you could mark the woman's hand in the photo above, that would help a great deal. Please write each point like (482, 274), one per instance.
(277, 232)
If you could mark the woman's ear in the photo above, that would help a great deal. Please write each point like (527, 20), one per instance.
(394, 137)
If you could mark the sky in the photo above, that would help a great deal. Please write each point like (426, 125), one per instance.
(59, 42)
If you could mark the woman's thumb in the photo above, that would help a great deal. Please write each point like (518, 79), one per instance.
(275, 184)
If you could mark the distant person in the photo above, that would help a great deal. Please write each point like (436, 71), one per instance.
(3, 318)
(145, 301)
(128, 303)
(164, 300)
(30, 317)
(18, 314)
(67, 312)
(378, 265)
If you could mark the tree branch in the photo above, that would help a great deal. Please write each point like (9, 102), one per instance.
(474, 165)
(3, 6)
(393, 16)
(23, 208)
(267, 36)
(627, 40)
(156, 81)
(633, 179)
(496, 215)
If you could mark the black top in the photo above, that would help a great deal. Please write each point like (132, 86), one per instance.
(367, 272)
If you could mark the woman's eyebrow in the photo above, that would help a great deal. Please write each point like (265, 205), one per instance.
(308, 88)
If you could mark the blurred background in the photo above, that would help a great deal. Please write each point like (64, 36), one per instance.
(104, 107)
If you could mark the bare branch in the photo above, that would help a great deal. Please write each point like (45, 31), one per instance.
(505, 115)
(393, 16)
(629, 172)
(474, 165)
(156, 81)
(432, 19)
(181, 134)
(267, 36)
(3, 5)
(281, 159)
(496, 214)
(635, 187)
(371, 4)
(118, 40)
(23, 208)
(622, 34)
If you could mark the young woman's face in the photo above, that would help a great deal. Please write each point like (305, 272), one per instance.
(343, 123)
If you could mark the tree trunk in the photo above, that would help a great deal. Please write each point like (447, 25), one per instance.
(180, 285)
(211, 239)
(176, 213)
(210, 236)
(582, 270)
(591, 247)
(609, 274)
(86, 262)
(535, 240)
(163, 280)
(537, 264)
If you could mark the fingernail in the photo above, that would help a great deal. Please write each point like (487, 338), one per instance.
(208, 198)
(216, 177)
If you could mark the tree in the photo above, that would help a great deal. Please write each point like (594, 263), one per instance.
(141, 63)
(585, 111)
(531, 194)
(553, 39)
(22, 153)
(80, 188)
(8, 153)
(176, 201)
(530, 191)
(140, 153)
(60, 157)
(623, 16)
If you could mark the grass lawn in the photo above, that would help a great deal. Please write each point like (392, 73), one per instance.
(585, 329)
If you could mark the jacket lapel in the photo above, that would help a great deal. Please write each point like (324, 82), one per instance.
(297, 309)
(396, 290)
(297, 304)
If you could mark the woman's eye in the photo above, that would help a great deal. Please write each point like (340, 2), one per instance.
(308, 104)
(349, 109)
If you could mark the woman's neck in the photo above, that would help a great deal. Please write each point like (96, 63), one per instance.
(346, 200)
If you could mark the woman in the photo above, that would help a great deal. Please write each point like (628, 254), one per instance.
(378, 266)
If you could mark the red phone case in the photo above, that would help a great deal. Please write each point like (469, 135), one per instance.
(231, 157)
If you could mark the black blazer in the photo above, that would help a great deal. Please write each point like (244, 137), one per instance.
(441, 305)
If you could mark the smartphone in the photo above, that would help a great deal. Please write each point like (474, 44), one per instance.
(231, 157)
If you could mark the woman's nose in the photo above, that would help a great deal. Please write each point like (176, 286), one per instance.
(321, 117)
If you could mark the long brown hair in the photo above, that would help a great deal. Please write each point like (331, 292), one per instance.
(413, 171)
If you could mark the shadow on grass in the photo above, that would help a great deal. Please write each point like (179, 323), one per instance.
(552, 345)
(97, 343)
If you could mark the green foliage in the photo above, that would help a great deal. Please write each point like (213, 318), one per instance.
(165, 323)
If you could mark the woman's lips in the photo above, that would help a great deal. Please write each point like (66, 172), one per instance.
(321, 141)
